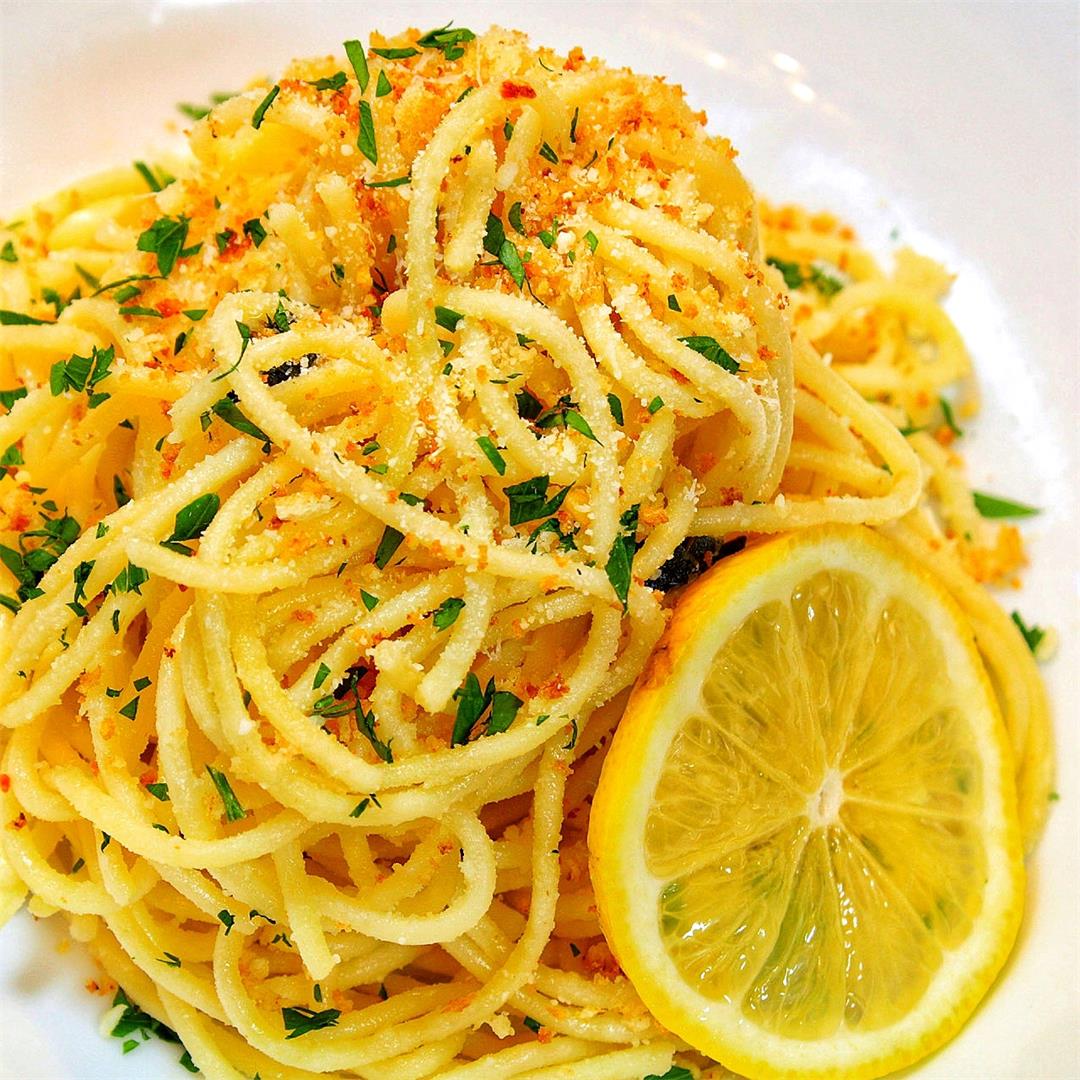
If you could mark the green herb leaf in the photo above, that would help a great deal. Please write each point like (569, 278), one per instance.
(255, 230)
(9, 397)
(491, 452)
(494, 235)
(791, 272)
(382, 85)
(573, 124)
(131, 709)
(390, 542)
(301, 1020)
(991, 506)
(370, 602)
(396, 54)
(533, 1025)
(366, 138)
(159, 791)
(592, 240)
(333, 82)
(447, 318)
(656, 404)
(227, 918)
(676, 1072)
(514, 217)
(673, 302)
(358, 58)
(529, 501)
(227, 410)
(615, 405)
(548, 154)
(1033, 635)
(152, 181)
(165, 239)
(511, 260)
(504, 709)
(130, 579)
(397, 181)
(950, 418)
(445, 615)
(233, 810)
(712, 350)
(621, 559)
(260, 112)
(7, 253)
(472, 703)
(448, 40)
(192, 520)
(17, 318)
(825, 283)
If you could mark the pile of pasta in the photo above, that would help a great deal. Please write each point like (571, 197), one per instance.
(351, 472)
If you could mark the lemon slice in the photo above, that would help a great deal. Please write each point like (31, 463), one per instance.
(804, 843)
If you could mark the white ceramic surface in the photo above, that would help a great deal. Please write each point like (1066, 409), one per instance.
(953, 125)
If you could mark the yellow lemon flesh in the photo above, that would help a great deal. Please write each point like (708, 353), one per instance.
(804, 843)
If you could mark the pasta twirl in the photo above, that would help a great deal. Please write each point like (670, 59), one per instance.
(345, 471)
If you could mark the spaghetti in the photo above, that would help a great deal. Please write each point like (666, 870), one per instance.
(346, 475)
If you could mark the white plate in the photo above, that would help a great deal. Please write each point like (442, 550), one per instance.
(955, 125)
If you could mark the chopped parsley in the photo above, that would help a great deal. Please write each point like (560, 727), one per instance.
(259, 114)
(656, 404)
(370, 602)
(950, 418)
(332, 82)
(712, 350)
(397, 181)
(447, 318)
(153, 182)
(473, 703)
(621, 558)
(227, 918)
(448, 40)
(365, 140)
(790, 271)
(159, 791)
(1033, 635)
(396, 54)
(83, 373)
(514, 217)
(388, 545)
(301, 1020)
(227, 410)
(992, 506)
(191, 522)
(233, 810)
(445, 615)
(19, 318)
(165, 239)
(7, 253)
(592, 240)
(382, 85)
(354, 50)
(548, 154)
(673, 302)
(529, 500)
(254, 229)
(615, 405)
(491, 452)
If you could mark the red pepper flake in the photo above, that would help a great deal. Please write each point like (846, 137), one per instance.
(339, 102)
(168, 308)
(5, 783)
(20, 821)
(511, 90)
